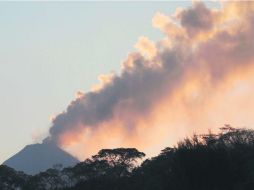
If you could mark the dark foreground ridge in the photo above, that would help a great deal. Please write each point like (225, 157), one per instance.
(36, 158)
(223, 161)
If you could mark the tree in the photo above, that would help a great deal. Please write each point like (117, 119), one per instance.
(121, 160)
(11, 179)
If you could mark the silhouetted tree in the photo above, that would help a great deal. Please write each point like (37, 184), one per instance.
(223, 161)
(11, 179)
(121, 160)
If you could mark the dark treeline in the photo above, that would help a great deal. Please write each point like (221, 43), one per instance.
(223, 161)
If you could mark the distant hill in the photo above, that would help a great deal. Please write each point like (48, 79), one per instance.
(36, 158)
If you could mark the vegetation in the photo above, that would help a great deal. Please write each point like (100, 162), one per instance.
(223, 161)
(11, 179)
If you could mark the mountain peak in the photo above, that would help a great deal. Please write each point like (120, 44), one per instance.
(35, 158)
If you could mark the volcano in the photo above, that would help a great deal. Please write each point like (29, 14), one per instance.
(36, 158)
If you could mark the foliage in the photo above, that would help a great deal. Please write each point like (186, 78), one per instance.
(11, 179)
(223, 161)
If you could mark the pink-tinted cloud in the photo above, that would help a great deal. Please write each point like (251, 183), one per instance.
(199, 76)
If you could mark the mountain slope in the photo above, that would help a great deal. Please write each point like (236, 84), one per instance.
(35, 158)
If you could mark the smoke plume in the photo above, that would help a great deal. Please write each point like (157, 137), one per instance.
(199, 77)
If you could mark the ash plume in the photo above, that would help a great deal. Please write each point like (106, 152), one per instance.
(196, 78)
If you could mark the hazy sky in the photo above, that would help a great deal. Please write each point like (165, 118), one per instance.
(49, 51)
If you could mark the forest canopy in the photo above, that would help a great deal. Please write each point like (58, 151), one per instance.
(223, 161)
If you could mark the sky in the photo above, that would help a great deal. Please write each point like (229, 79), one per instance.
(51, 50)
(52, 55)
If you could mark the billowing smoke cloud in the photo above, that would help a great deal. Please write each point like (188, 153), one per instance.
(199, 77)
